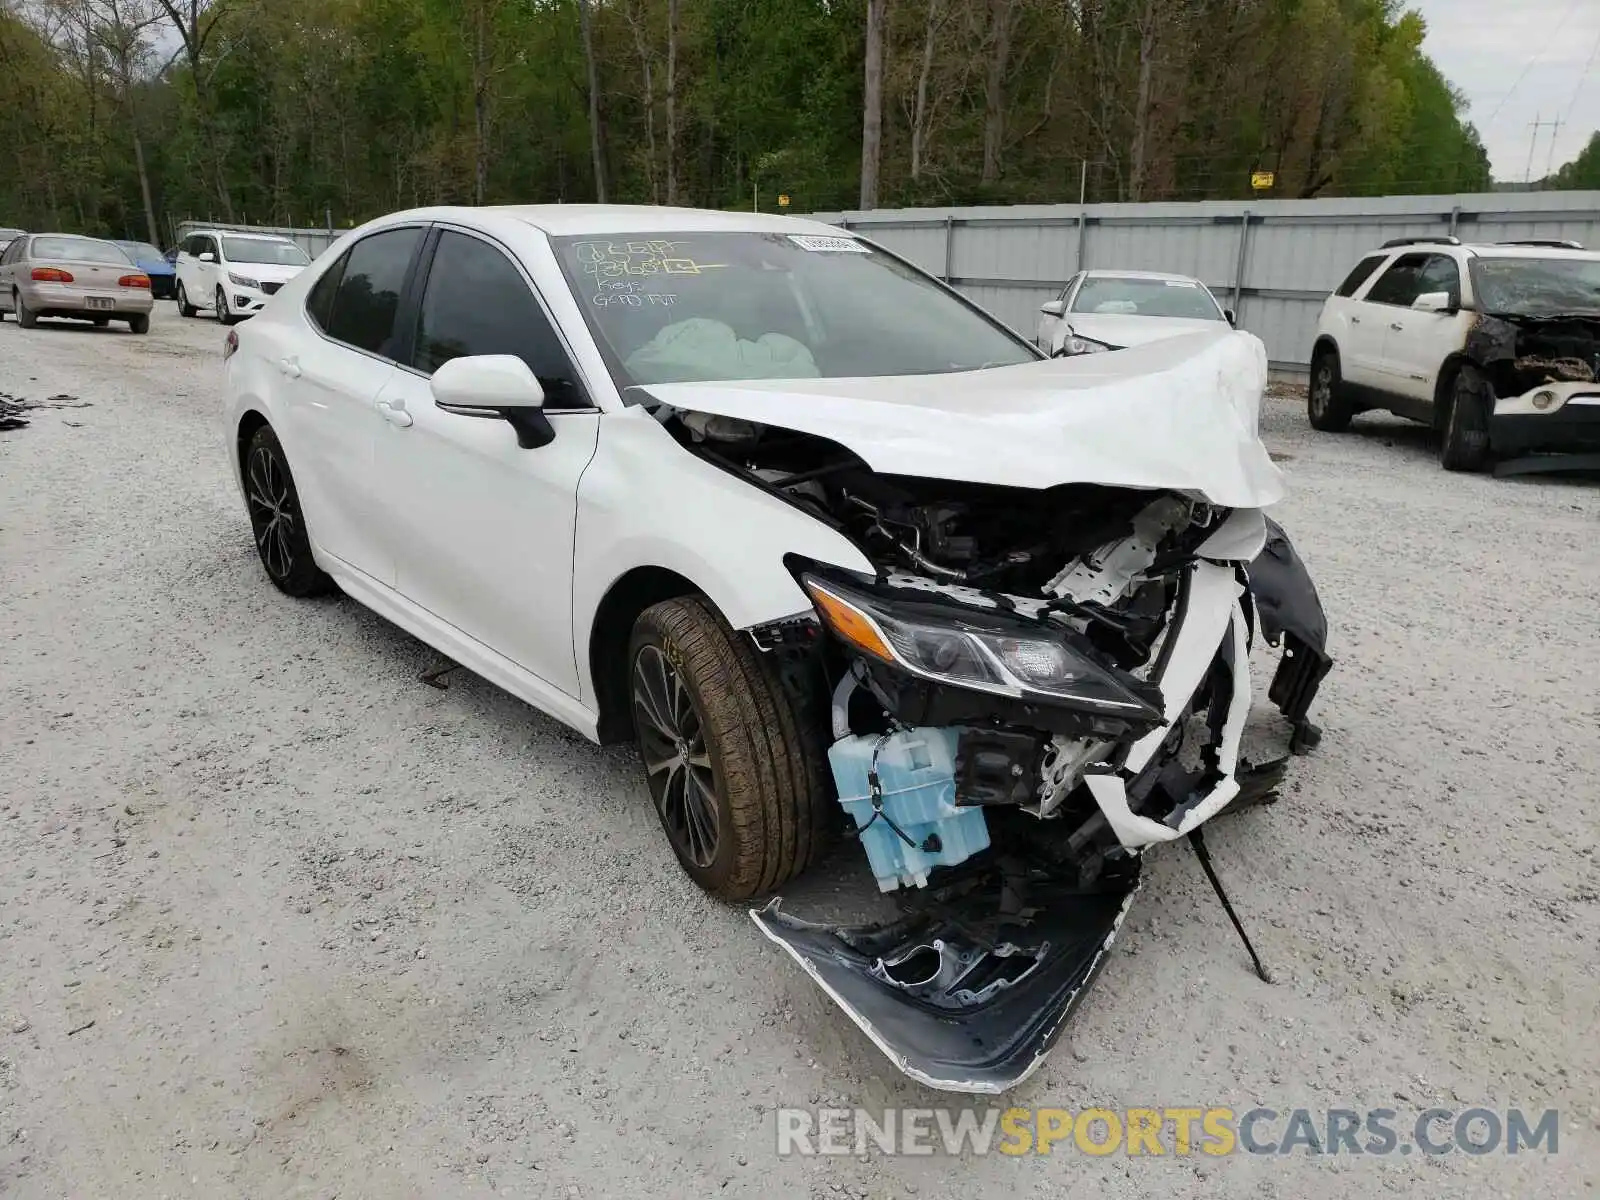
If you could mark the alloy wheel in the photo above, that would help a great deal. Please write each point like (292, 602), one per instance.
(272, 512)
(222, 306)
(1322, 389)
(672, 738)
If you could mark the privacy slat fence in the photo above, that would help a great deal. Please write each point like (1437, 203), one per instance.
(1272, 261)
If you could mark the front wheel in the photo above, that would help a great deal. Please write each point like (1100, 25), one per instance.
(224, 317)
(1327, 407)
(1465, 446)
(276, 519)
(185, 309)
(734, 768)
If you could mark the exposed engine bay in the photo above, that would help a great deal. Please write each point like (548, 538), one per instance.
(1034, 687)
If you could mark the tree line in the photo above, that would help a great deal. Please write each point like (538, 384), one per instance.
(122, 115)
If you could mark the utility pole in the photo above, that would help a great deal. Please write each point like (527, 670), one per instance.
(1533, 142)
(1550, 161)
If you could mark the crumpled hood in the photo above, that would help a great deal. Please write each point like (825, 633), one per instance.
(1178, 414)
(1121, 330)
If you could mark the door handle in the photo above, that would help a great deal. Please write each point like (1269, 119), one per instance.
(395, 413)
(1396, 326)
(290, 367)
(1355, 320)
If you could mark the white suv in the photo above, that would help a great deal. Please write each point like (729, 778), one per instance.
(232, 274)
(1496, 346)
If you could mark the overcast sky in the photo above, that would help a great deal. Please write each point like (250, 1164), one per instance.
(1518, 60)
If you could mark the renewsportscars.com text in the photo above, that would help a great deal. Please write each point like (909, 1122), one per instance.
(1216, 1131)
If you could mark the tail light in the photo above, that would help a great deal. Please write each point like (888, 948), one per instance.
(230, 344)
(51, 275)
(134, 281)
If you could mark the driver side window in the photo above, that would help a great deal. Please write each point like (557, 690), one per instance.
(1401, 283)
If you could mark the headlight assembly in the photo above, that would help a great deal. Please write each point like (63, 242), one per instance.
(1076, 344)
(964, 654)
(243, 281)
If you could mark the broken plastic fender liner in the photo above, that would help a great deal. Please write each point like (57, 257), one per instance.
(1111, 793)
(1213, 594)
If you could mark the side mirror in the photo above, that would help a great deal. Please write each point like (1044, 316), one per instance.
(1434, 302)
(498, 386)
(207, 256)
(1051, 308)
(1231, 317)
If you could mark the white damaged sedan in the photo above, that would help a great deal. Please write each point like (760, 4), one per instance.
(839, 551)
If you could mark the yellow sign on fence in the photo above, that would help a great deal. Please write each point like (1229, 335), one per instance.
(1261, 181)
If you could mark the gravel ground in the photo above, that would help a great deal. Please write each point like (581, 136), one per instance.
(278, 920)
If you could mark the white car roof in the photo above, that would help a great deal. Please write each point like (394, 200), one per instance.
(1532, 252)
(1108, 274)
(239, 233)
(565, 220)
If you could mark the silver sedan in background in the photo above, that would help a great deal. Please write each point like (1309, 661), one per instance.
(63, 275)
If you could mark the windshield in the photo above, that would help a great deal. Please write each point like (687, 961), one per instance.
(1129, 296)
(141, 251)
(680, 307)
(77, 249)
(1529, 286)
(263, 250)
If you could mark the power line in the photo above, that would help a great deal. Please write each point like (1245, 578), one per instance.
(1531, 63)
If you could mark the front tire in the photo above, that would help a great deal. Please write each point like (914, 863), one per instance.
(1465, 446)
(1327, 406)
(224, 317)
(185, 309)
(735, 769)
(276, 519)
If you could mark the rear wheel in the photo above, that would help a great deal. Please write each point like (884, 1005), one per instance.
(1327, 406)
(1466, 429)
(185, 309)
(736, 771)
(25, 315)
(276, 520)
(140, 323)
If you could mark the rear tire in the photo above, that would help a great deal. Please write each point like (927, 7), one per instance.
(276, 520)
(140, 323)
(1465, 446)
(185, 309)
(713, 719)
(25, 315)
(1327, 406)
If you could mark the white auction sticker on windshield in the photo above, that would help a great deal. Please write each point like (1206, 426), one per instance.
(1188, 283)
(828, 245)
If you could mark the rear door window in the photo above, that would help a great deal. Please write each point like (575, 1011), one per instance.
(368, 295)
(1402, 282)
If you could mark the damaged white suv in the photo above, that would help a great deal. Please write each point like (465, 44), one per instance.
(825, 539)
(1496, 346)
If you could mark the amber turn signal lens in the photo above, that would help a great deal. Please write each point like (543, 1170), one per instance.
(849, 622)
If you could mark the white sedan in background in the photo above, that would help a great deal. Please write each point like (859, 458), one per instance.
(1109, 310)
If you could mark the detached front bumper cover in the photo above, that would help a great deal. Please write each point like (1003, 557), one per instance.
(960, 1005)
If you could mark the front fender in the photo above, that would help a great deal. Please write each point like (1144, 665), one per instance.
(644, 501)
